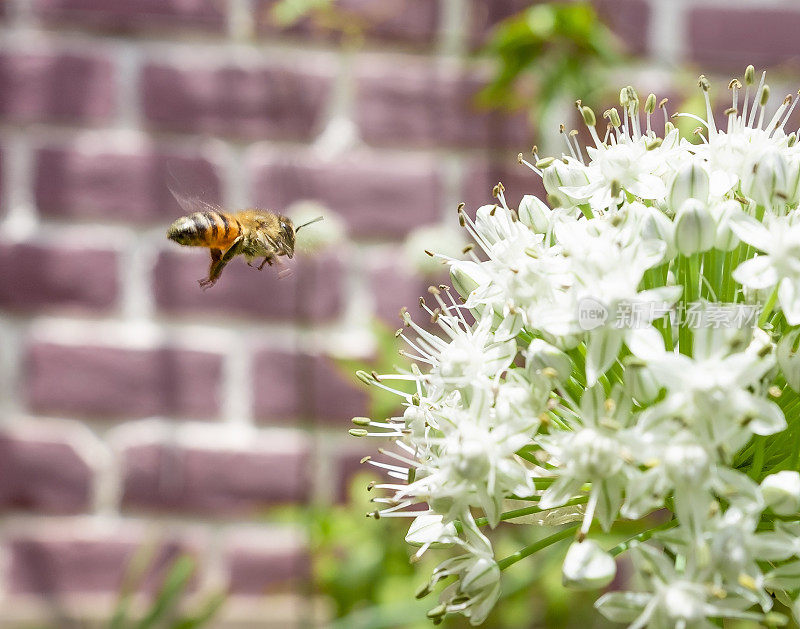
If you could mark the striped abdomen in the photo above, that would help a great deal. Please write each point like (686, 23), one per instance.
(205, 229)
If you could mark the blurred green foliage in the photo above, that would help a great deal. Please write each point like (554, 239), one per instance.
(167, 610)
(362, 567)
(549, 52)
(171, 606)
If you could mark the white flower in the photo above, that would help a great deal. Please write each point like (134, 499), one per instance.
(782, 492)
(587, 566)
(627, 166)
(477, 585)
(779, 238)
(596, 361)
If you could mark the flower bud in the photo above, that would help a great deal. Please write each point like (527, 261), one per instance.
(695, 228)
(686, 463)
(725, 239)
(691, 182)
(561, 173)
(769, 180)
(781, 492)
(534, 213)
(465, 277)
(657, 226)
(789, 359)
(541, 355)
(640, 382)
(587, 566)
(793, 181)
(429, 529)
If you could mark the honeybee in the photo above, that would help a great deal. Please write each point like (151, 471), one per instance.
(253, 233)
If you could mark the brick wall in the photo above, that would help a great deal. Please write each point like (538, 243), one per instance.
(135, 408)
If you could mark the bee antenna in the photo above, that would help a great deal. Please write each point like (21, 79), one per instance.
(315, 220)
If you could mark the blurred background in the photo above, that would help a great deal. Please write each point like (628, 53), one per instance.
(171, 457)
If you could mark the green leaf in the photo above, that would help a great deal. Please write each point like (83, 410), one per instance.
(209, 609)
(289, 12)
(170, 593)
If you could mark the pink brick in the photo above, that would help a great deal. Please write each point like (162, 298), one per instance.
(402, 21)
(628, 19)
(346, 466)
(313, 291)
(338, 395)
(37, 277)
(51, 564)
(97, 183)
(280, 395)
(254, 570)
(271, 101)
(484, 16)
(103, 382)
(404, 102)
(46, 476)
(291, 385)
(394, 287)
(380, 196)
(232, 482)
(55, 87)
(134, 15)
(730, 38)
(483, 175)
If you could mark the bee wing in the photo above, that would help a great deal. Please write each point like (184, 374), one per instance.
(191, 203)
(285, 272)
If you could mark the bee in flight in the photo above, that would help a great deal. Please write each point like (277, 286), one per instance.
(253, 233)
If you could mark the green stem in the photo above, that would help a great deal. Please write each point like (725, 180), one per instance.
(758, 458)
(767, 311)
(518, 513)
(537, 546)
(641, 537)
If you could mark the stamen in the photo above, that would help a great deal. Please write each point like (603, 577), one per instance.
(650, 107)
(774, 122)
(573, 136)
(763, 102)
(562, 130)
(705, 86)
(789, 113)
(521, 160)
(752, 117)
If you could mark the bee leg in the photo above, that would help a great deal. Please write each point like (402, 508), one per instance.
(219, 260)
(266, 260)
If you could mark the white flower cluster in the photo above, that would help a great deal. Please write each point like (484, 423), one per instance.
(540, 398)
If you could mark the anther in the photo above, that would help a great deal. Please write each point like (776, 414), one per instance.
(764, 95)
(588, 116)
(650, 104)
